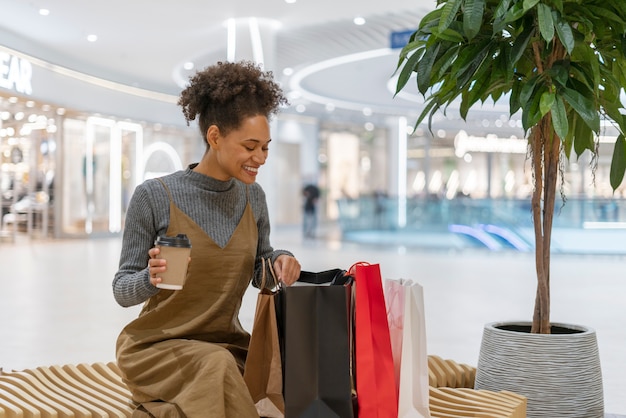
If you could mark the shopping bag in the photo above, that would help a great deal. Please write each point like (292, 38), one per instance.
(375, 379)
(407, 298)
(263, 369)
(394, 293)
(315, 342)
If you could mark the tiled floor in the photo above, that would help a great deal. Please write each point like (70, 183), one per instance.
(56, 304)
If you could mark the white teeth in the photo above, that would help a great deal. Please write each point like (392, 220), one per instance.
(256, 170)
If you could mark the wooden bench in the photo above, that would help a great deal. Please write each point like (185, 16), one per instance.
(452, 394)
(97, 391)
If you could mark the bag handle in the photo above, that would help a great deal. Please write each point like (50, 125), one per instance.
(277, 283)
(352, 269)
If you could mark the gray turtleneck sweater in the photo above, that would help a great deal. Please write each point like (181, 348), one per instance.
(216, 206)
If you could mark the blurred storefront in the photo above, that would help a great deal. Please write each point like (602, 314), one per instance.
(70, 162)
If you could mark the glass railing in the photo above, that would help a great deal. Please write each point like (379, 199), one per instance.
(464, 222)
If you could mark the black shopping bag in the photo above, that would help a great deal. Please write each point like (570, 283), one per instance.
(314, 330)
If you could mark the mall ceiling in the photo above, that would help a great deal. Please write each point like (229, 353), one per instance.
(335, 63)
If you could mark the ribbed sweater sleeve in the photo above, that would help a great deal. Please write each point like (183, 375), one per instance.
(216, 206)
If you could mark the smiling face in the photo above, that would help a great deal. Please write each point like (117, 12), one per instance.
(238, 154)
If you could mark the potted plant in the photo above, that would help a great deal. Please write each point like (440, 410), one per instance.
(562, 64)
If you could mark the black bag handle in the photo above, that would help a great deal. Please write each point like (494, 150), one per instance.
(333, 277)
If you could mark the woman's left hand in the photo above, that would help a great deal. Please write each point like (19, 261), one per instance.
(287, 269)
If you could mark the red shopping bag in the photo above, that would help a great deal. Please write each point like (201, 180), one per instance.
(376, 387)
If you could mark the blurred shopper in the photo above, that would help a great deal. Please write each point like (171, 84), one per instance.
(184, 355)
(311, 195)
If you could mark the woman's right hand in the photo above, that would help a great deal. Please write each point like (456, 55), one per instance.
(156, 266)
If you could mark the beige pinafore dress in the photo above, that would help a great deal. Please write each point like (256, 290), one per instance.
(184, 354)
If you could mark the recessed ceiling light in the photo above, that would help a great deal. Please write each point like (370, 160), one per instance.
(188, 65)
(287, 71)
(290, 1)
(44, 12)
(92, 38)
(359, 21)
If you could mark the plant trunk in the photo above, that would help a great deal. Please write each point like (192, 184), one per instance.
(545, 150)
(546, 171)
(541, 315)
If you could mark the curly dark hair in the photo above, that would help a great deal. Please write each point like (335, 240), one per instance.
(226, 93)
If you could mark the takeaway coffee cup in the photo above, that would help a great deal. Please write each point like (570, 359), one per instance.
(176, 251)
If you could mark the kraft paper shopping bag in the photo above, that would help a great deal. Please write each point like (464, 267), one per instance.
(263, 369)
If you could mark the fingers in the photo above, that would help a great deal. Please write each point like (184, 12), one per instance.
(287, 269)
(156, 266)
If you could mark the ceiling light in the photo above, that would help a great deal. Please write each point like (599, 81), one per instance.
(290, 1)
(359, 21)
(44, 12)
(92, 38)
(300, 108)
(188, 65)
(287, 71)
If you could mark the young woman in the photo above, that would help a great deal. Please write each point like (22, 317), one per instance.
(184, 355)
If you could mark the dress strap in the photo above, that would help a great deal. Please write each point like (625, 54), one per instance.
(166, 189)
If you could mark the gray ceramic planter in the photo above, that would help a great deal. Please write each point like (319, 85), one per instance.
(559, 373)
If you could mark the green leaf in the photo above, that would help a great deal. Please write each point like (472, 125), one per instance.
(527, 90)
(431, 107)
(472, 17)
(450, 35)
(546, 102)
(468, 72)
(546, 25)
(568, 140)
(564, 32)
(443, 63)
(424, 68)
(499, 15)
(520, 45)
(478, 88)
(559, 118)
(407, 70)
(618, 163)
(531, 113)
(606, 14)
(501, 9)
(514, 99)
(583, 137)
(613, 111)
(431, 18)
(448, 14)
(559, 72)
(584, 107)
(529, 4)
